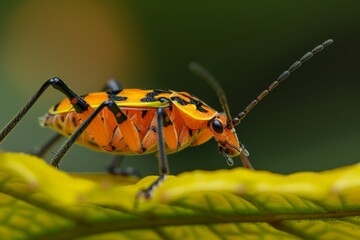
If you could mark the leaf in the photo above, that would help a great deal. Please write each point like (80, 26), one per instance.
(38, 201)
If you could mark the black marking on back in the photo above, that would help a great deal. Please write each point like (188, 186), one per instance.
(179, 100)
(163, 99)
(144, 112)
(150, 97)
(116, 92)
(198, 104)
(56, 106)
(119, 98)
(113, 96)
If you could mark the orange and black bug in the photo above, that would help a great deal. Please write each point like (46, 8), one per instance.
(135, 121)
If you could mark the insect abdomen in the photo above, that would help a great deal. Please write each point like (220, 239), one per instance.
(177, 137)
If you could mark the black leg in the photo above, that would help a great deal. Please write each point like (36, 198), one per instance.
(112, 86)
(44, 148)
(111, 105)
(163, 162)
(79, 104)
(114, 168)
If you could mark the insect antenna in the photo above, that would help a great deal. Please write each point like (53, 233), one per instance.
(281, 78)
(205, 74)
(211, 80)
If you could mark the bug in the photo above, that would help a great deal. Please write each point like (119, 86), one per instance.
(135, 121)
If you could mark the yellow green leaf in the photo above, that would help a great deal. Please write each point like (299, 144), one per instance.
(38, 201)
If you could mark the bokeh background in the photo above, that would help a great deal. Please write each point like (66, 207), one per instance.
(311, 122)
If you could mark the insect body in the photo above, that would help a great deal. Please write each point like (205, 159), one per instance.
(187, 122)
(134, 121)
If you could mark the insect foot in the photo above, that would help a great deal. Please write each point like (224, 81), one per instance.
(148, 192)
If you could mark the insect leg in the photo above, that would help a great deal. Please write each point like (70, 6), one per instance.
(44, 148)
(163, 162)
(113, 168)
(79, 104)
(111, 105)
(112, 86)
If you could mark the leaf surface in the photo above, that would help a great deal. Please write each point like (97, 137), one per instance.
(38, 201)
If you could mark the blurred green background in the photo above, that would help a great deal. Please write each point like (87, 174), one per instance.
(311, 122)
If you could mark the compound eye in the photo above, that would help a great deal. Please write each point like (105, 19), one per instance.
(217, 126)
